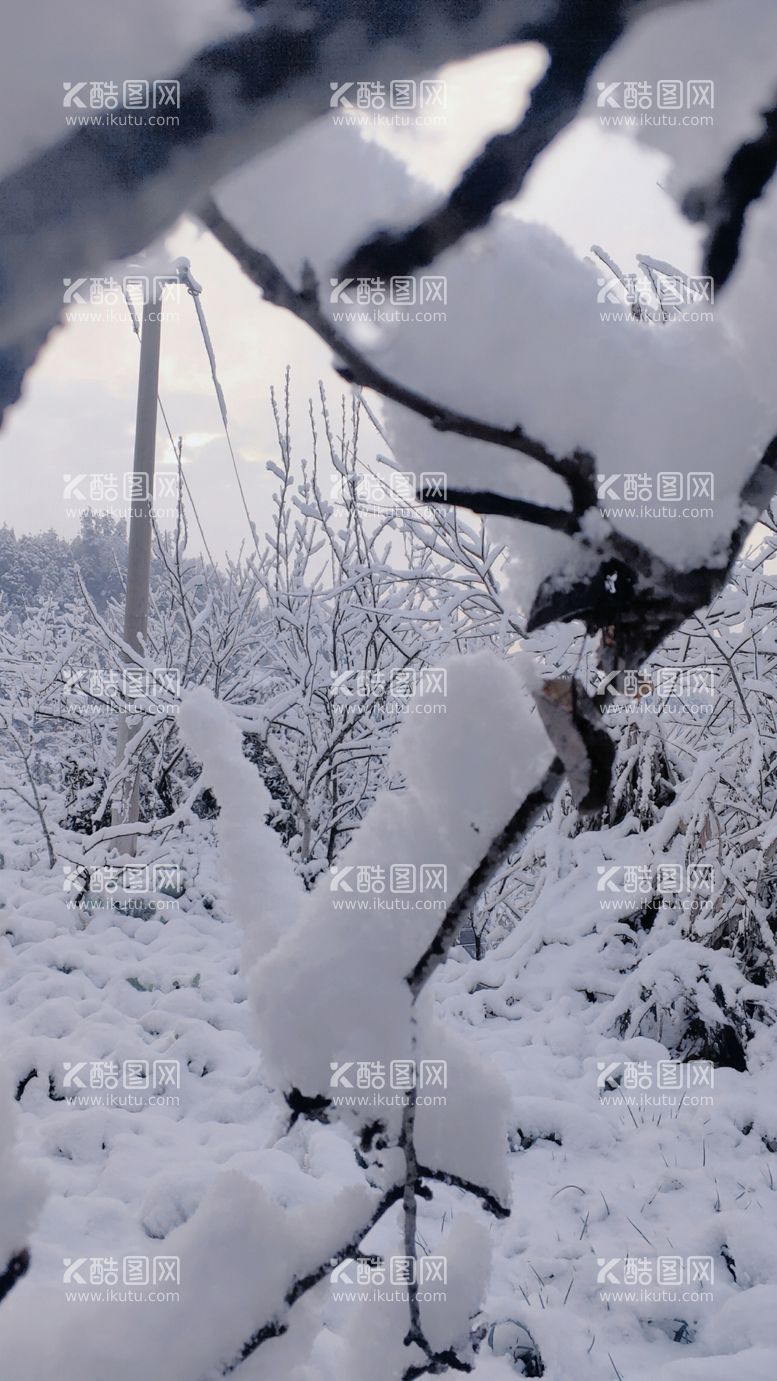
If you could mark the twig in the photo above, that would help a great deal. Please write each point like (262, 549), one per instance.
(576, 37)
(273, 1328)
(304, 304)
(492, 860)
(489, 1201)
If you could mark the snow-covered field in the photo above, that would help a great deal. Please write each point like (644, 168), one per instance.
(388, 902)
(573, 1006)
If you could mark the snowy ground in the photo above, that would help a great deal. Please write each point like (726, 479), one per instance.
(593, 1178)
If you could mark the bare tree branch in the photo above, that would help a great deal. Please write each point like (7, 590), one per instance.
(576, 37)
(16, 1268)
(725, 203)
(488, 1200)
(486, 869)
(637, 596)
(274, 1328)
(485, 502)
(304, 304)
(104, 192)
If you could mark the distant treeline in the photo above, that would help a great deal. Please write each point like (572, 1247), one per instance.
(42, 565)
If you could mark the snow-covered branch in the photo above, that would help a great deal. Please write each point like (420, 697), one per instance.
(576, 37)
(723, 205)
(304, 303)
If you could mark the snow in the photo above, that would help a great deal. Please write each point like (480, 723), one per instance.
(21, 1190)
(262, 888)
(257, 1171)
(659, 396)
(249, 1205)
(325, 966)
(731, 46)
(152, 38)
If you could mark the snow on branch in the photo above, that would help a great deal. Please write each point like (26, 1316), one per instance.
(621, 583)
(362, 988)
(576, 36)
(273, 1328)
(253, 856)
(104, 193)
(498, 850)
(304, 304)
(723, 205)
(637, 596)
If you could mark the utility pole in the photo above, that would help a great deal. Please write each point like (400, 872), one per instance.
(126, 808)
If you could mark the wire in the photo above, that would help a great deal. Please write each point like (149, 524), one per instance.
(195, 291)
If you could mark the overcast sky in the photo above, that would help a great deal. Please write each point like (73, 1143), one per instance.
(77, 413)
